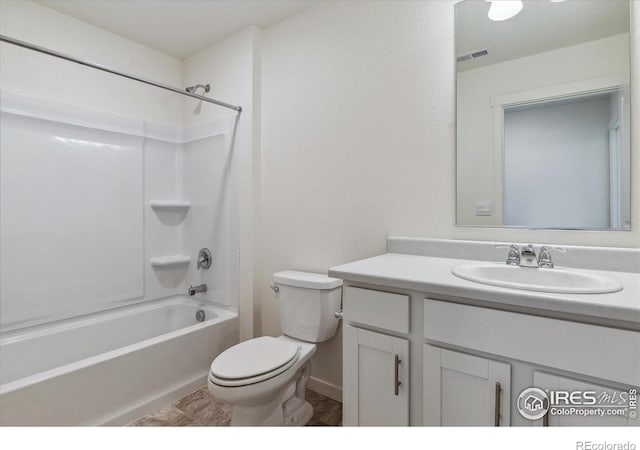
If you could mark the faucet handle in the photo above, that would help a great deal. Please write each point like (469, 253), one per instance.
(544, 258)
(513, 247)
(513, 258)
(204, 259)
(554, 249)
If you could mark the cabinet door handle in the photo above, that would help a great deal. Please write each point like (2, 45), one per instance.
(396, 381)
(496, 409)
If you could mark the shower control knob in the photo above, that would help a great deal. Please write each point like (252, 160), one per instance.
(204, 259)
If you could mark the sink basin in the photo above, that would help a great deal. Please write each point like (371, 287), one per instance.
(556, 280)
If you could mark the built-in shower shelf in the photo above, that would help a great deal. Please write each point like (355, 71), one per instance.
(170, 204)
(170, 261)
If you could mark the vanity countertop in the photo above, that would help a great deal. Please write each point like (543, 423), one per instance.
(432, 275)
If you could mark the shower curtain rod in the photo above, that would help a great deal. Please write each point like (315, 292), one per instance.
(46, 51)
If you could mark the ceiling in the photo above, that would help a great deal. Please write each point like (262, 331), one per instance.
(182, 27)
(177, 27)
(541, 26)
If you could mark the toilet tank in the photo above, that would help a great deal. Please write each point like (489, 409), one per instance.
(306, 304)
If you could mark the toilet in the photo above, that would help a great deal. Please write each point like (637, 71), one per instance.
(264, 379)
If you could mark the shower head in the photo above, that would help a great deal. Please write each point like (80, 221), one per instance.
(194, 89)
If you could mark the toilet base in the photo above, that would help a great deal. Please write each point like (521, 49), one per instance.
(289, 408)
(271, 414)
(300, 417)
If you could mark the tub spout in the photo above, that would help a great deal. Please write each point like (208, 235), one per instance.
(193, 290)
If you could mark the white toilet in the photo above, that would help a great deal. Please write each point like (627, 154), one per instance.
(264, 379)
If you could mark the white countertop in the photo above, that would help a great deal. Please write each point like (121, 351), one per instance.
(432, 275)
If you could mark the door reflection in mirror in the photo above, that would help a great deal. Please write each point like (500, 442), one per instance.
(563, 164)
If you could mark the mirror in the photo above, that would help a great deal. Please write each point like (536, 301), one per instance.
(543, 114)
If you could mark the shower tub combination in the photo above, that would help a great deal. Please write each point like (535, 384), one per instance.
(113, 367)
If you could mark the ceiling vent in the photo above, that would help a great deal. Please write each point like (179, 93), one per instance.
(472, 55)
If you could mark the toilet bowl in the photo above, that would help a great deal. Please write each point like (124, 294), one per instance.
(256, 393)
(264, 379)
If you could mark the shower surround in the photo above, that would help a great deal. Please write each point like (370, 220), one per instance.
(103, 217)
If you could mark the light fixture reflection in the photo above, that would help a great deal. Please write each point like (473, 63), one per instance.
(88, 144)
(504, 9)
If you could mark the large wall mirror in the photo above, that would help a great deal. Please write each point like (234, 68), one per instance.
(543, 114)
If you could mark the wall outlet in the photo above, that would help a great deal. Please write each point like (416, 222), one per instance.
(484, 208)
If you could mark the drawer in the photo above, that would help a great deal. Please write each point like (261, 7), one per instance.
(597, 351)
(377, 309)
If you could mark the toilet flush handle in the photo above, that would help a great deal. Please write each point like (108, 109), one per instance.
(338, 314)
(275, 288)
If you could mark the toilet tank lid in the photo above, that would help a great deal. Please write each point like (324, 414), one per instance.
(306, 280)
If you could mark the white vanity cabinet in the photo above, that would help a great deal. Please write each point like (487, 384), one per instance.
(543, 350)
(449, 363)
(376, 381)
(376, 360)
(464, 390)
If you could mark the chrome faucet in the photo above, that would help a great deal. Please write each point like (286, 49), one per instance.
(204, 259)
(193, 290)
(513, 258)
(527, 256)
(544, 258)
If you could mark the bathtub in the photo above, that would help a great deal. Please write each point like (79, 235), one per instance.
(112, 367)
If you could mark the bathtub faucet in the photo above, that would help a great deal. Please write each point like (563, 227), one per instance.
(193, 290)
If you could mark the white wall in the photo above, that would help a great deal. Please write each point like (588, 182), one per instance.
(356, 143)
(475, 137)
(556, 164)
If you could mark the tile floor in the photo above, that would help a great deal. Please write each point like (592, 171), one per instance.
(200, 409)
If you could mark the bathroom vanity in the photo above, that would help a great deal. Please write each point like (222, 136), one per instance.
(425, 347)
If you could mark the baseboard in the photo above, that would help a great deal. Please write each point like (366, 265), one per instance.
(327, 389)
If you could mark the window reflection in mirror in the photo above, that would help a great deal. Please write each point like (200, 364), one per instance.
(543, 116)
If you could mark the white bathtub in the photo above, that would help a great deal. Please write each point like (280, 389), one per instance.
(113, 367)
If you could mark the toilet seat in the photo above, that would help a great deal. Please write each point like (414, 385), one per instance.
(253, 361)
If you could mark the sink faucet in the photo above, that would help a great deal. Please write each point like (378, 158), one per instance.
(544, 258)
(513, 258)
(193, 290)
(527, 256)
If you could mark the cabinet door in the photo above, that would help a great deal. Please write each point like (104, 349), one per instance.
(376, 379)
(464, 390)
(552, 382)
